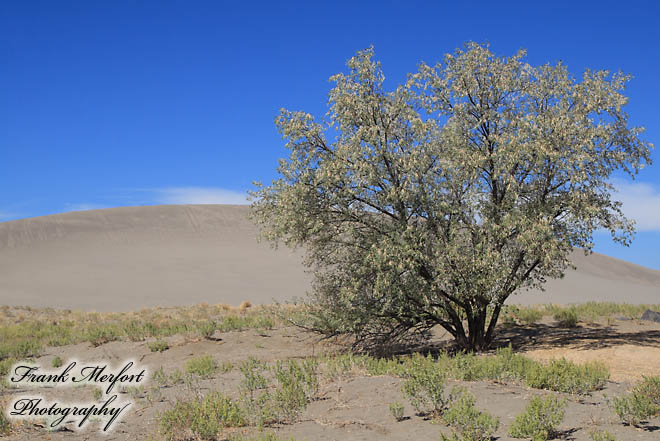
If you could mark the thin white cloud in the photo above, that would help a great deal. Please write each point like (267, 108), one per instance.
(84, 207)
(199, 195)
(641, 202)
(7, 216)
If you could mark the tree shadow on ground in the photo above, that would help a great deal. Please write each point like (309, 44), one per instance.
(565, 434)
(529, 337)
(542, 336)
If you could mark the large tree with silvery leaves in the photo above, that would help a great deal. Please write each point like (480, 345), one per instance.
(433, 203)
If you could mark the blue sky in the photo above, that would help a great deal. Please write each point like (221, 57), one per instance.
(132, 103)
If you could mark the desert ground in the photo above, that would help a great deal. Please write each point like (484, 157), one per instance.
(150, 284)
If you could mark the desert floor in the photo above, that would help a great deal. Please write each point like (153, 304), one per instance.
(355, 405)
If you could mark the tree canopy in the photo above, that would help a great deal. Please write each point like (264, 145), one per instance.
(432, 203)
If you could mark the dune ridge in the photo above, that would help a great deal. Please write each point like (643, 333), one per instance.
(126, 258)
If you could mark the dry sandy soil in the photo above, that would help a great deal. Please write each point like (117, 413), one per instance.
(356, 406)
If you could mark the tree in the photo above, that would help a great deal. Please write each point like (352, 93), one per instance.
(431, 204)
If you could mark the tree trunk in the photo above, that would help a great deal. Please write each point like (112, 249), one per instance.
(480, 336)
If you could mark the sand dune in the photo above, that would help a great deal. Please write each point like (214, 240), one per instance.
(132, 257)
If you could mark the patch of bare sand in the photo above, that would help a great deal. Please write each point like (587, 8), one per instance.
(627, 362)
(629, 348)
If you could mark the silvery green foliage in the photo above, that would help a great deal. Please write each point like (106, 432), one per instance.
(431, 204)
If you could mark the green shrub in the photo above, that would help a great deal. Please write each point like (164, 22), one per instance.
(253, 378)
(5, 365)
(601, 435)
(135, 330)
(529, 316)
(204, 417)
(424, 385)
(307, 372)
(567, 318)
(257, 403)
(99, 335)
(226, 366)
(650, 388)
(558, 375)
(510, 366)
(471, 423)
(295, 388)
(381, 366)
(540, 419)
(339, 366)
(20, 348)
(634, 408)
(207, 328)
(565, 376)
(203, 366)
(176, 377)
(296, 384)
(470, 367)
(158, 345)
(5, 424)
(160, 377)
(57, 362)
(396, 409)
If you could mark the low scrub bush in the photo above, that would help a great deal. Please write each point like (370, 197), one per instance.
(203, 417)
(5, 424)
(39, 328)
(135, 330)
(238, 322)
(17, 348)
(469, 423)
(642, 403)
(511, 366)
(567, 318)
(253, 378)
(424, 385)
(540, 419)
(226, 366)
(650, 388)
(396, 409)
(57, 362)
(339, 366)
(506, 366)
(602, 435)
(158, 345)
(99, 335)
(203, 366)
(381, 366)
(525, 315)
(206, 328)
(176, 377)
(295, 385)
(255, 400)
(634, 408)
(557, 375)
(565, 376)
(160, 377)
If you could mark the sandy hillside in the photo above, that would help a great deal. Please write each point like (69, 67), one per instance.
(132, 257)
